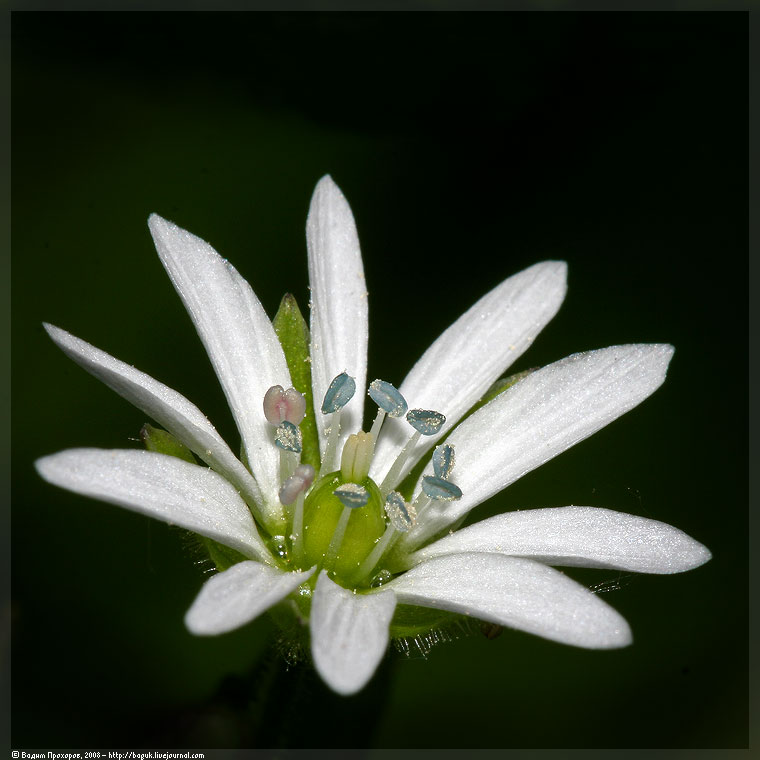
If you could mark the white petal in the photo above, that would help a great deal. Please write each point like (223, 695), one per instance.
(544, 414)
(580, 537)
(238, 595)
(349, 634)
(462, 364)
(171, 409)
(338, 304)
(238, 337)
(517, 593)
(159, 486)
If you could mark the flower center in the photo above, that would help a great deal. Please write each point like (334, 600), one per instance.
(322, 516)
(345, 523)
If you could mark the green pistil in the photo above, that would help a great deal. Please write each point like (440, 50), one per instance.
(322, 513)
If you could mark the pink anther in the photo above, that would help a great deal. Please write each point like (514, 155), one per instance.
(297, 483)
(284, 405)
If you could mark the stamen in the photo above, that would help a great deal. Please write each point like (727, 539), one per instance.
(333, 433)
(425, 422)
(388, 398)
(297, 537)
(390, 479)
(443, 461)
(281, 405)
(352, 497)
(294, 489)
(435, 489)
(288, 437)
(340, 530)
(421, 503)
(357, 457)
(402, 518)
(389, 401)
(340, 392)
(298, 483)
(439, 489)
(377, 424)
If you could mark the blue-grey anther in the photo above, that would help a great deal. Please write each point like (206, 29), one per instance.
(425, 421)
(340, 392)
(352, 495)
(440, 489)
(402, 517)
(443, 461)
(388, 398)
(288, 437)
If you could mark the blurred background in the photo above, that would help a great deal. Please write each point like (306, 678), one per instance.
(469, 146)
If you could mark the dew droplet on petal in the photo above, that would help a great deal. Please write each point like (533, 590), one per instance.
(380, 579)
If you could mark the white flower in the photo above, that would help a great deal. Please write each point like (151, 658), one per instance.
(497, 570)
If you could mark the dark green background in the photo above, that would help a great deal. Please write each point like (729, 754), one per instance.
(469, 146)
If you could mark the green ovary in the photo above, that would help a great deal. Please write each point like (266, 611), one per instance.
(322, 512)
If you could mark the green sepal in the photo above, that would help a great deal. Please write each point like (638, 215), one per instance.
(411, 622)
(293, 333)
(163, 442)
(406, 489)
(222, 556)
